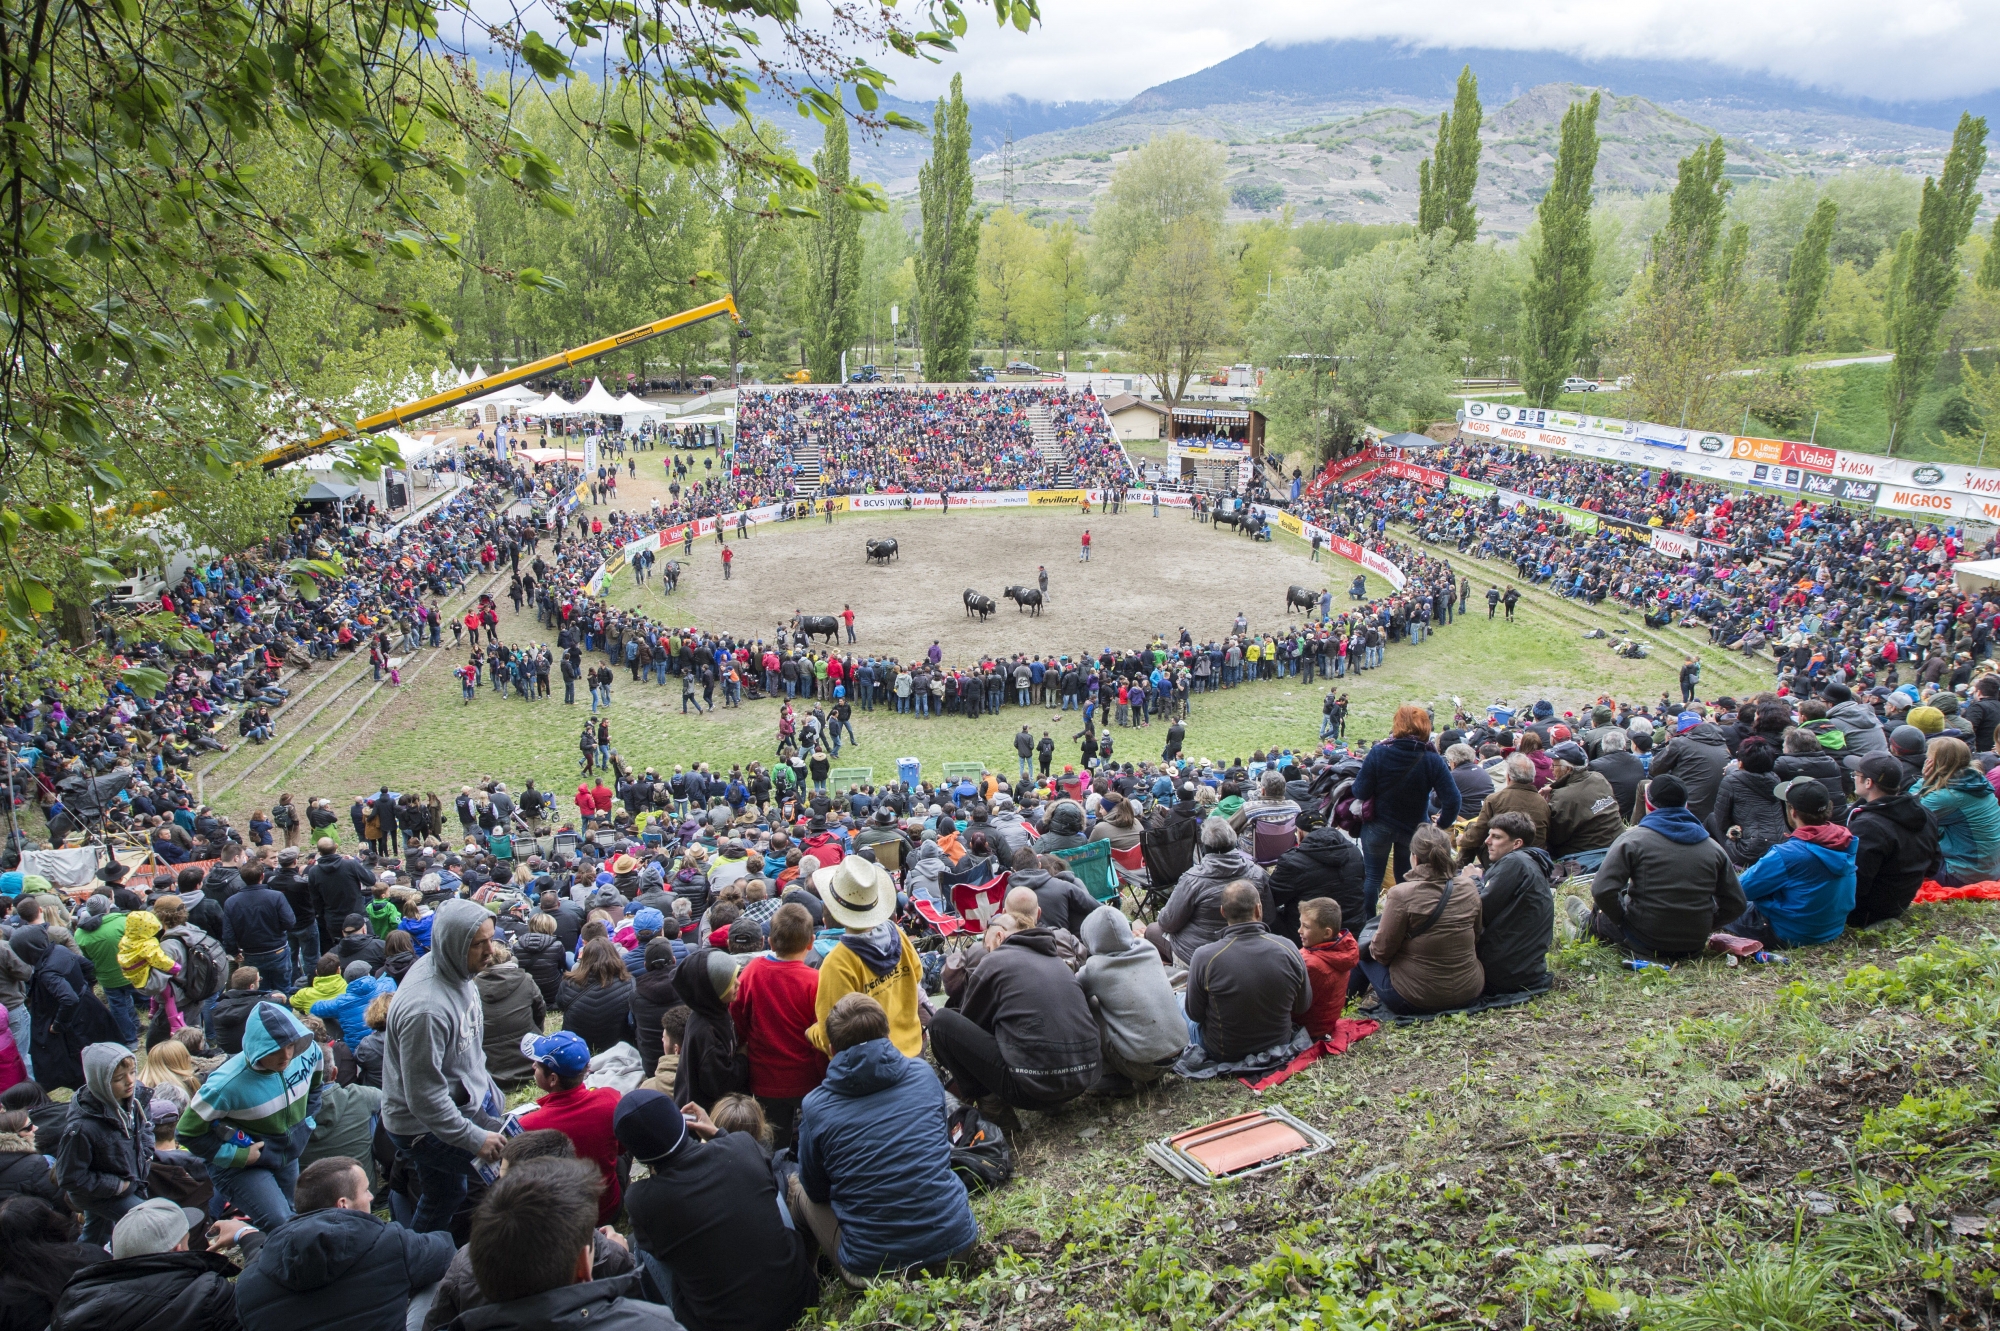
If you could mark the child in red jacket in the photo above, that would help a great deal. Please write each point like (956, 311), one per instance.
(1330, 954)
(777, 995)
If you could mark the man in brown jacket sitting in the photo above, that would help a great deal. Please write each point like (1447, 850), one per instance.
(1517, 796)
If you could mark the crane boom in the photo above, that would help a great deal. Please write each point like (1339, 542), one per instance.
(451, 397)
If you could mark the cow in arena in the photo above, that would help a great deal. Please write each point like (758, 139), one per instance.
(1025, 598)
(1300, 598)
(882, 548)
(1231, 512)
(813, 626)
(975, 604)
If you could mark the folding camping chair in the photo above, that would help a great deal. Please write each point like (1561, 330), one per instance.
(946, 925)
(1091, 864)
(564, 846)
(979, 902)
(1273, 835)
(500, 846)
(1130, 866)
(888, 854)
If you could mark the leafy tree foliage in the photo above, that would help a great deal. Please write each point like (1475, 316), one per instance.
(1445, 181)
(1559, 293)
(1930, 278)
(948, 260)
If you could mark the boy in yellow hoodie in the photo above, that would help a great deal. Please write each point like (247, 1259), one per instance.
(873, 956)
(140, 954)
(326, 983)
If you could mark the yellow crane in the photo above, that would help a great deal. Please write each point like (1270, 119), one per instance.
(451, 397)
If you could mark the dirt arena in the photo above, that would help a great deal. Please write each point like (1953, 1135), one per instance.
(1145, 576)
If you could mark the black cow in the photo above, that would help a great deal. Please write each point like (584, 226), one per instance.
(1303, 598)
(975, 604)
(818, 625)
(1232, 513)
(882, 548)
(1025, 598)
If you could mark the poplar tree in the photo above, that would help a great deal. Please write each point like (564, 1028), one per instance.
(1989, 271)
(1930, 283)
(1445, 182)
(1558, 295)
(948, 258)
(1805, 281)
(833, 261)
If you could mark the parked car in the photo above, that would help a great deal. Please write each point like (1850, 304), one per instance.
(982, 374)
(1577, 384)
(1022, 367)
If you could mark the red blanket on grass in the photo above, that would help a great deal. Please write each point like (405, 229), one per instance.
(1345, 1032)
(1931, 891)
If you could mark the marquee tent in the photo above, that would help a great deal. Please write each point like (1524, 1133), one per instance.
(597, 402)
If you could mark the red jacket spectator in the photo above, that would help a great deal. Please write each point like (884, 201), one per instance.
(584, 1116)
(601, 797)
(1327, 968)
(774, 1005)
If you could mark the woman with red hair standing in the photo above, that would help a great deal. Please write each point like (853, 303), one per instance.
(1399, 776)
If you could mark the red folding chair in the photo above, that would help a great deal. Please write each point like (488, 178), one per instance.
(946, 925)
(1130, 861)
(979, 902)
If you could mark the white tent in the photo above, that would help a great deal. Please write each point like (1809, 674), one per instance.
(516, 393)
(1972, 574)
(629, 405)
(596, 401)
(555, 405)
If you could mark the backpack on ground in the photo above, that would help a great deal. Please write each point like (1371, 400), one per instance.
(980, 1153)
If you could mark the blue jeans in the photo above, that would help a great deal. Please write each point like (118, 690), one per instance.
(1385, 993)
(302, 949)
(444, 1174)
(20, 1024)
(264, 1195)
(101, 1217)
(123, 1011)
(1379, 842)
(274, 969)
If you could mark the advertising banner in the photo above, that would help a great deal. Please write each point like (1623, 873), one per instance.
(1436, 480)
(1676, 544)
(1055, 498)
(590, 455)
(1460, 485)
(1290, 523)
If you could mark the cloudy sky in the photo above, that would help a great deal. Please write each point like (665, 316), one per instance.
(1100, 49)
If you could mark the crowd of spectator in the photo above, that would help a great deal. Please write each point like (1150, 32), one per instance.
(872, 440)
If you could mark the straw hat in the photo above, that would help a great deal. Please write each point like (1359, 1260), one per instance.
(858, 892)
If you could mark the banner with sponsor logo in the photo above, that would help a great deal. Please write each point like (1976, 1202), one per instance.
(1677, 544)
(1055, 498)
(1835, 487)
(1409, 471)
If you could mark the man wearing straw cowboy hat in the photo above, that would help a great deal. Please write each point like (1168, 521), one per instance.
(872, 957)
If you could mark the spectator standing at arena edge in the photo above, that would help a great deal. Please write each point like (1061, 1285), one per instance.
(728, 555)
(847, 615)
(1083, 555)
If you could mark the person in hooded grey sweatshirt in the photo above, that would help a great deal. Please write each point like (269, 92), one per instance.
(106, 1151)
(1138, 1015)
(924, 873)
(439, 1103)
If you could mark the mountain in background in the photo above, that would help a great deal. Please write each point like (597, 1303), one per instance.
(1361, 74)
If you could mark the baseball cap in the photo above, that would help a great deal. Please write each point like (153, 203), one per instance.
(563, 1053)
(649, 918)
(152, 1227)
(1807, 795)
(1569, 751)
(1685, 722)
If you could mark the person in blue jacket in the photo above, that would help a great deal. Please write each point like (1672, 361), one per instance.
(875, 1183)
(1400, 775)
(350, 1008)
(1801, 889)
